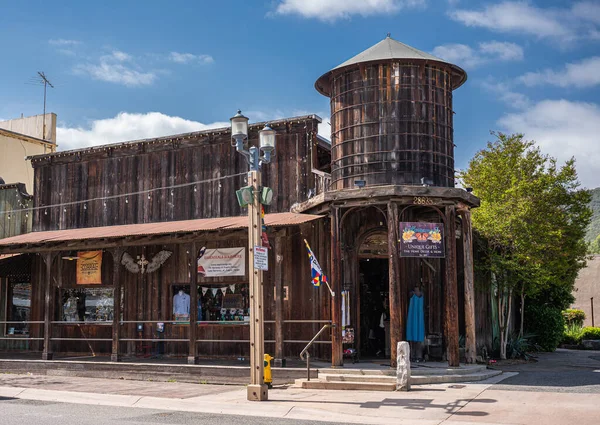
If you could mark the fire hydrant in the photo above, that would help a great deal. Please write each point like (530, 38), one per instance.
(268, 376)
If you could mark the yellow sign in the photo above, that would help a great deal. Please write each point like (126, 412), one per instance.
(89, 268)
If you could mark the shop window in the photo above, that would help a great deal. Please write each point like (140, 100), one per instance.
(18, 308)
(224, 303)
(88, 305)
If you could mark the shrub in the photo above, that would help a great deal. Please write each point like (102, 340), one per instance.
(590, 333)
(518, 347)
(547, 324)
(573, 316)
(572, 335)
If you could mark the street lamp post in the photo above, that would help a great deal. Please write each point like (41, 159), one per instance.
(257, 390)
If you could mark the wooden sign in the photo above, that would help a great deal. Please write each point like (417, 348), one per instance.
(421, 240)
(89, 268)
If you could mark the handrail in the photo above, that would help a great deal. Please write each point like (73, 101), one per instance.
(305, 351)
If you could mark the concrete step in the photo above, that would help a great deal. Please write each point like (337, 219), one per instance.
(357, 378)
(345, 385)
(446, 379)
(463, 370)
(415, 371)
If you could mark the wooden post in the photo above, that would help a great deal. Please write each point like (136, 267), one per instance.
(116, 324)
(337, 357)
(451, 290)
(470, 341)
(278, 283)
(48, 308)
(396, 298)
(192, 346)
(257, 390)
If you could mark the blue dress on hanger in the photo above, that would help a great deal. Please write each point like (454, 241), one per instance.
(415, 324)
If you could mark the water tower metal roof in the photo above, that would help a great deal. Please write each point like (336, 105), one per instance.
(390, 49)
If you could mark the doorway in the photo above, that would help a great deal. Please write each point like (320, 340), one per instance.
(374, 301)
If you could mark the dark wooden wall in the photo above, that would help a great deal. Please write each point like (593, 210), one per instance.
(138, 167)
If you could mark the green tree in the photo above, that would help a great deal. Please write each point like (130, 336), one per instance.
(533, 218)
(594, 247)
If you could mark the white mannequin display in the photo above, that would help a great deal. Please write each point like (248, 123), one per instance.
(181, 303)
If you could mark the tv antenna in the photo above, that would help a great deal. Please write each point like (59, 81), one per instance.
(41, 79)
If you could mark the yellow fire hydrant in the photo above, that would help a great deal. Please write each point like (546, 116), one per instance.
(268, 375)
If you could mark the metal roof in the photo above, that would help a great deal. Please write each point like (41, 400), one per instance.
(149, 229)
(389, 49)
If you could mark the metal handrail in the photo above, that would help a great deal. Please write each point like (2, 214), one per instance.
(312, 341)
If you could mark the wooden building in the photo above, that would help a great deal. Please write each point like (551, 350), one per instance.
(360, 202)
(173, 194)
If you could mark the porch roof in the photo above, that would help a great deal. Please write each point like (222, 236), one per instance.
(136, 234)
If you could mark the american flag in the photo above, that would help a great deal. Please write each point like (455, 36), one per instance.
(318, 277)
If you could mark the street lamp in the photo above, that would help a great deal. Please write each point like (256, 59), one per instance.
(250, 195)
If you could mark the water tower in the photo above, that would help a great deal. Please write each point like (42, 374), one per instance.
(392, 169)
(391, 117)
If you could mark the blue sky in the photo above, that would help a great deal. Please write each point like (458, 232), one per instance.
(131, 69)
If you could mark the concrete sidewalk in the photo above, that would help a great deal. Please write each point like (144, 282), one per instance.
(451, 404)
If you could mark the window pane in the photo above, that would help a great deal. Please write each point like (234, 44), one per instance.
(20, 308)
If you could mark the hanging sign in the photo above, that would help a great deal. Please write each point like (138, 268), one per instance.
(89, 268)
(261, 258)
(421, 240)
(222, 262)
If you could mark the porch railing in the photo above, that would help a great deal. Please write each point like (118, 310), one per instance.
(322, 180)
(311, 342)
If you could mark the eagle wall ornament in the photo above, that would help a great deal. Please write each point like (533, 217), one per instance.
(141, 265)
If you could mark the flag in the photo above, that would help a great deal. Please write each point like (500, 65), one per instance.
(318, 277)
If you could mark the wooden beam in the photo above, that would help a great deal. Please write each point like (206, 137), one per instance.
(193, 257)
(116, 326)
(337, 358)
(48, 307)
(470, 337)
(396, 298)
(451, 291)
(278, 284)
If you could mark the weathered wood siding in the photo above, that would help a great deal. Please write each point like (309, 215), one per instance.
(14, 197)
(392, 123)
(139, 167)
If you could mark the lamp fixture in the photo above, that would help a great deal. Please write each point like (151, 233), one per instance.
(71, 255)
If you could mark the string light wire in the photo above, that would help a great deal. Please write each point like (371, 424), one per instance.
(122, 195)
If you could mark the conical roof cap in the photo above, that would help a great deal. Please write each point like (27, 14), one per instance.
(390, 49)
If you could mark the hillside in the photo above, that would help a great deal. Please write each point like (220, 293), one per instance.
(594, 228)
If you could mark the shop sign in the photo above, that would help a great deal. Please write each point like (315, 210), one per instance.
(89, 268)
(222, 262)
(421, 240)
(261, 258)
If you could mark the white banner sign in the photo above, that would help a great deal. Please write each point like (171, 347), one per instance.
(261, 258)
(222, 262)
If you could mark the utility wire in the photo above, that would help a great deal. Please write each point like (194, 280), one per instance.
(105, 198)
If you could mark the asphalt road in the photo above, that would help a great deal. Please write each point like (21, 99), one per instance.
(563, 371)
(33, 412)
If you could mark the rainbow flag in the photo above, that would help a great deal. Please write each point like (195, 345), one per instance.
(318, 277)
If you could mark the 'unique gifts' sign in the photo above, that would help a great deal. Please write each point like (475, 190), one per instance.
(222, 262)
(421, 240)
(89, 268)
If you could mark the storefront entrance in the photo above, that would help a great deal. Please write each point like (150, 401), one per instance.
(374, 308)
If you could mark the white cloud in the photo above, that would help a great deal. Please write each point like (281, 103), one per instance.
(112, 68)
(582, 74)
(563, 129)
(63, 42)
(486, 52)
(331, 10)
(125, 127)
(562, 25)
(185, 58)
(505, 94)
